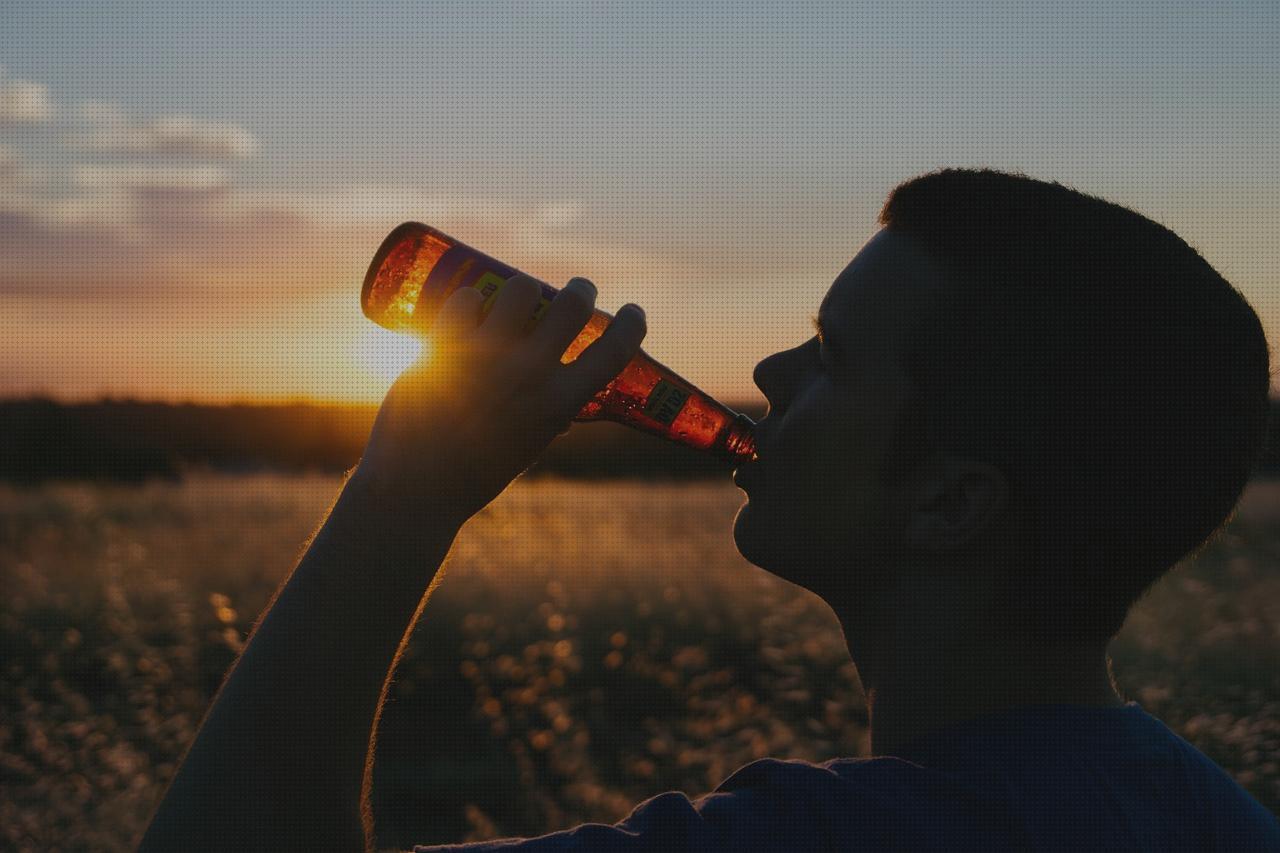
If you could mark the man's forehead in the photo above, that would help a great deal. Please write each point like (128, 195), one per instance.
(883, 285)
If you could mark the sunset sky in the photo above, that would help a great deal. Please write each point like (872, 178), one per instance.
(190, 193)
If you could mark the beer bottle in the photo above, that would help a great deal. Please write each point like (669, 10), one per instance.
(416, 269)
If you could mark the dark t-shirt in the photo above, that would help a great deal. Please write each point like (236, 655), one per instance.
(1053, 777)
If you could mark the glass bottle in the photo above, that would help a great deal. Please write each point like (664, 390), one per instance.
(417, 267)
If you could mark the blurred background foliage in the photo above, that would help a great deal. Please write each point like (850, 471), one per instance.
(593, 644)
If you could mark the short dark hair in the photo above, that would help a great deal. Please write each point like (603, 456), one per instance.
(1119, 382)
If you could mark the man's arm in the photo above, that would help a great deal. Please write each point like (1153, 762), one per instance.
(282, 758)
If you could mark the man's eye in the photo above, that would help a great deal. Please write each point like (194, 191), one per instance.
(827, 359)
(832, 364)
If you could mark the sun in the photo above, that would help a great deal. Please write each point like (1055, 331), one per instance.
(383, 354)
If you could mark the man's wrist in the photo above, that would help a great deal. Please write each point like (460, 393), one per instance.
(401, 506)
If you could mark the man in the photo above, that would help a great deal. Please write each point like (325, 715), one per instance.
(1022, 406)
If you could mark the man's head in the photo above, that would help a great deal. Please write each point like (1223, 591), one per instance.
(1032, 385)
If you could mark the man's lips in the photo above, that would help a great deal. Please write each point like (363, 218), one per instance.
(746, 472)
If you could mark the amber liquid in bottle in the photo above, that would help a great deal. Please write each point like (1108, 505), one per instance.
(416, 269)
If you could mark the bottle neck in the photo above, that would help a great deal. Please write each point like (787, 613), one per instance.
(739, 442)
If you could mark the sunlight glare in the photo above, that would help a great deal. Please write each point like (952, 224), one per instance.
(385, 354)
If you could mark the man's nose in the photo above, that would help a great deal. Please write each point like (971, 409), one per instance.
(778, 375)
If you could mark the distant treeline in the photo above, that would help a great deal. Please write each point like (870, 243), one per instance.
(126, 440)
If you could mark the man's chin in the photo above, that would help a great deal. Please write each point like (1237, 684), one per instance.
(758, 542)
(782, 549)
(746, 535)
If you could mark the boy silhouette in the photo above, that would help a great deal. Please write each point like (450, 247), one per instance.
(1021, 406)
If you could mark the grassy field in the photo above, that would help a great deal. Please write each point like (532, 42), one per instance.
(592, 644)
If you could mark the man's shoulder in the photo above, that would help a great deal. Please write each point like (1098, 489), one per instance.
(1116, 772)
(1037, 777)
(882, 801)
(779, 804)
(880, 779)
(769, 772)
(767, 786)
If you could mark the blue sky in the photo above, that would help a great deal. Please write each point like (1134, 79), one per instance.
(213, 177)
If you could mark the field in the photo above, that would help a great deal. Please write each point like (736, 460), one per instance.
(591, 645)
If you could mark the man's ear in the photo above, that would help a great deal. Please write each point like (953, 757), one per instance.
(954, 500)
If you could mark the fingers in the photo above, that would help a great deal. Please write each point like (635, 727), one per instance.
(511, 311)
(459, 315)
(568, 314)
(455, 321)
(563, 322)
(606, 357)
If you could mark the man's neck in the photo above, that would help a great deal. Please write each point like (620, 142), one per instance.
(912, 701)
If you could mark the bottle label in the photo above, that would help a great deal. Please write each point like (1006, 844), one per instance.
(665, 402)
(463, 266)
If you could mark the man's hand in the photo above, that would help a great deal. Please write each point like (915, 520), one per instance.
(282, 761)
(488, 396)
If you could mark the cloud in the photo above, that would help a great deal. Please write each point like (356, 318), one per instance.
(155, 206)
(128, 226)
(152, 206)
(558, 214)
(20, 181)
(543, 236)
(55, 256)
(355, 205)
(12, 171)
(107, 129)
(132, 176)
(24, 102)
